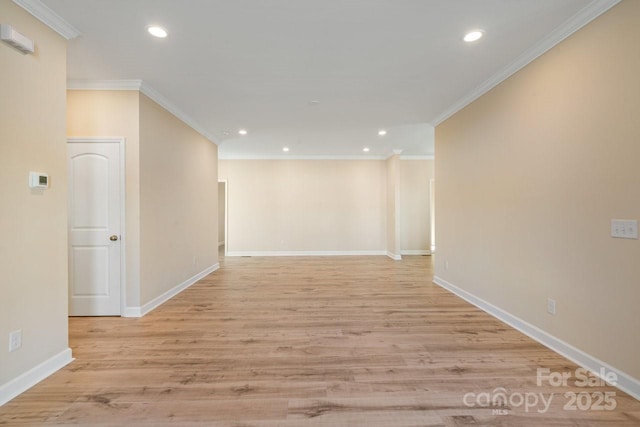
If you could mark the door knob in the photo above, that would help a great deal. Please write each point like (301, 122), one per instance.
(113, 238)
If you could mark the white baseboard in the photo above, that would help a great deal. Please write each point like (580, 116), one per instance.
(415, 252)
(132, 312)
(395, 257)
(34, 375)
(305, 253)
(157, 301)
(625, 382)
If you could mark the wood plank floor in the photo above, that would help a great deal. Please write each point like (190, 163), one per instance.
(334, 341)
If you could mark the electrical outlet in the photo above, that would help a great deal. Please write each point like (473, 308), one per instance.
(195, 261)
(15, 340)
(551, 306)
(446, 265)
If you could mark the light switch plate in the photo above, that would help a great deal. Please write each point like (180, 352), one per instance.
(624, 228)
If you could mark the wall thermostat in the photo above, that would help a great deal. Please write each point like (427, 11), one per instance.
(38, 180)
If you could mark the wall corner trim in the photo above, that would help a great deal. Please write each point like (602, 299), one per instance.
(626, 382)
(573, 24)
(34, 375)
(48, 17)
(160, 299)
(395, 257)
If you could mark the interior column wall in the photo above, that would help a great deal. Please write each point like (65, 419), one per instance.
(33, 222)
(393, 209)
(115, 113)
(415, 215)
(178, 201)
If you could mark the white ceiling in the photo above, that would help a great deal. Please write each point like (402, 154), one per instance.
(256, 64)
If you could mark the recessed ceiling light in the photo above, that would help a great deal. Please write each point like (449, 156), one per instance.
(156, 31)
(314, 103)
(243, 132)
(285, 149)
(382, 132)
(473, 36)
(365, 149)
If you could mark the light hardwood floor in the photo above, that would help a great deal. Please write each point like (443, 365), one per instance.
(335, 341)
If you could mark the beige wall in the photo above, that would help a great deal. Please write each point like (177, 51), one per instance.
(529, 177)
(33, 224)
(221, 211)
(101, 113)
(415, 218)
(178, 201)
(305, 205)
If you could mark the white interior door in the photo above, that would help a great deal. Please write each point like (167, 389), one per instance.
(94, 228)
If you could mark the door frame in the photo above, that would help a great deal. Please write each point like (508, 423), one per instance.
(226, 214)
(123, 265)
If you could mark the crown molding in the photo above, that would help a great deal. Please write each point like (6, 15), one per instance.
(222, 156)
(410, 157)
(173, 109)
(145, 89)
(294, 157)
(49, 18)
(573, 24)
(104, 84)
